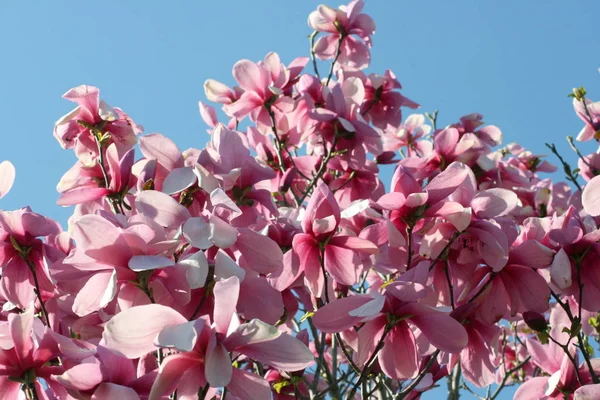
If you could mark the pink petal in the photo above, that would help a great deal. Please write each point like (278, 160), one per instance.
(82, 195)
(307, 249)
(148, 263)
(548, 358)
(322, 19)
(258, 299)
(527, 290)
(460, 217)
(7, 177)
(86, 96)
(196, 269)
(409, 291)
(181, 337)
(220, 199)
(476, 360)
(21, 326)
(532, 389)
(404, 182)
(251, 77)
(494, 202)
(132, 332)
(225, 267)
(285, 352)
(336, 316)
(171, 371)
(322, 204)
(288, 274)
(217, 92)
(160, 148)
(243, 106)
(248, 386)
(218, 369)
(197, 232)
(531, 253)
(16, 285)
(356, 244)
(260, 252)
(398, 357)
(82, 377)
(492, 244)
(161, 208)
(591, 197)
(442, 331)
(368, 338)
(222, 234)
(250, 333)
(208, 113)
(113, 391)
(587, 392)
(226, 297)
(178, 180)
(444, 184)
(10, 389)
(93, 231)
(560, 270)
(97, 292)
(445, 141)
(342, 264)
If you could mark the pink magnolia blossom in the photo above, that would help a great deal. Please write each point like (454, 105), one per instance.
(25, 352)
(204, 350)
(340, 253)
(340, 26)
(404, 305)
(589, 113)
(94, 120)
(109, 375)
(24, 256)
(83, 184)
(382, 103)
(262, 84)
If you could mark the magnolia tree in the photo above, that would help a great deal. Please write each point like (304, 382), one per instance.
(274, 264)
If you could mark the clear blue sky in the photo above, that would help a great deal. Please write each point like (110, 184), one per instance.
(513, 61)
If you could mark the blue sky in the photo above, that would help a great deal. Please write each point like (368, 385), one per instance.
(513, 61)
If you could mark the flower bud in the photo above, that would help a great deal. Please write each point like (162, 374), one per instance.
(535, 321)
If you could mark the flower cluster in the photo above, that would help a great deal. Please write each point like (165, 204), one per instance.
(273, 263)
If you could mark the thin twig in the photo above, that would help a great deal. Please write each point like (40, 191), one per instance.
(337, 55)
(313, 36)
(507, 376)
(566, 167)
(368, 365)
(576, 150)
(36, 289)
(419, 377)
(322, 168)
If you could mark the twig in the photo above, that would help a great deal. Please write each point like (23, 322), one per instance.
(507, 375)
(453, 383)
(579, 336)
(419, 377)
(337, 54)
(576, 150)
(312, 37)
(566, 166)
(450, 287)
(367, 369)
(444, 250)
(322, 168)
(36, 289)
